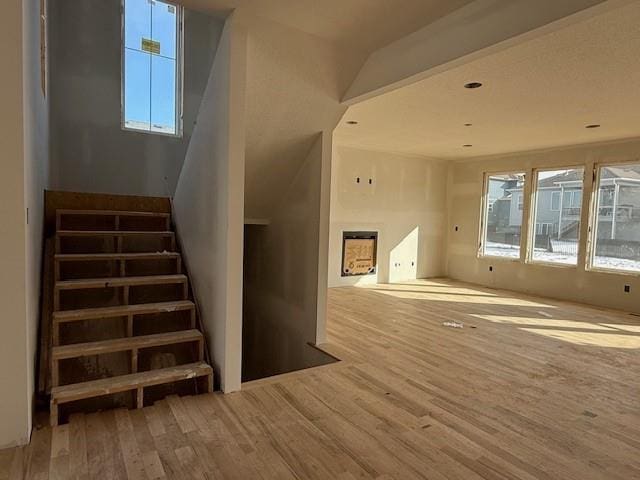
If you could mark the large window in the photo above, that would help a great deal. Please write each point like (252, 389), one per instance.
(616, 243)
(558, 206)
(152, 65)
(502, 216)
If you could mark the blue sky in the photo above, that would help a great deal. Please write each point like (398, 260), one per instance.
(150, 79)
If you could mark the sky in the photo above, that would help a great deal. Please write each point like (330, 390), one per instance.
(150, 88)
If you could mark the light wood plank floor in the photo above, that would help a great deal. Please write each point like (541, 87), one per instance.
(528, 389)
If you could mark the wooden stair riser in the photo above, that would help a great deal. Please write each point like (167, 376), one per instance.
(118, 236)
(132, 382)
(116, 216)
(124, 284)
(133, 347)
(117, 259)
(119, 312)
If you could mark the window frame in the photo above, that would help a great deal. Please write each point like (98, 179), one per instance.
(484, 214)
(533, 214)
(179, 74)
(592, 238)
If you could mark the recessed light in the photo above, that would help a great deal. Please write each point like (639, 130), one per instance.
(467, 146)
(473, 85)
(595, 125)
(352, 122)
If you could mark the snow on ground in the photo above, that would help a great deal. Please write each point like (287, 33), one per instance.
(617, 263)
(540, 255)
(494, 249)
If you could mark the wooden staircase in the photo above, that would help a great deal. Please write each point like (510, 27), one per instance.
(119, 290)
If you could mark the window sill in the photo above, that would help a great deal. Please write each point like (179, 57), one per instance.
(553, 265)
(612, 271)
(498, 257)
(149, 132)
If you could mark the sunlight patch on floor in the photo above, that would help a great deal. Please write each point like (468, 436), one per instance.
(458, 298)
(430, 287)
(544, 322)
(590, 338)
(626, 328)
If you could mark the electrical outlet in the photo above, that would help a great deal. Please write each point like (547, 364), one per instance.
(491, 268)
(627, 288)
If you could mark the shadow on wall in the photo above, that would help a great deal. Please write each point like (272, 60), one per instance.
(274, 335)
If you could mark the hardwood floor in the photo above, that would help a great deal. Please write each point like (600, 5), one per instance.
(528, 389)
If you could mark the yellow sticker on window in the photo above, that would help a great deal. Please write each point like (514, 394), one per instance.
(150, 46)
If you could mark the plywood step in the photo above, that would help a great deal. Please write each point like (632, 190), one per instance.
(114, 233)
(123, 383)
(88, 257)
(128, 311)
(121, 311)
(125, 344)
(120, 282)
(112, 213)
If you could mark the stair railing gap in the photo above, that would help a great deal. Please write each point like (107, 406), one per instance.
(193, 294)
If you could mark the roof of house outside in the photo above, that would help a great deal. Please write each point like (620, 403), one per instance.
(622, 172)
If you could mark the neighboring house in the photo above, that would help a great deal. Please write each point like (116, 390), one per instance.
(559, 204)
(503, 201)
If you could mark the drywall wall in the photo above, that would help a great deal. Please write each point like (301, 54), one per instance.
(465, 184)
(36, 174)
(208, 205)
(478, 29)
(281, 279)
(89, 150)
(14, 400)
(294, 85)
(23, 137)
(405, 203)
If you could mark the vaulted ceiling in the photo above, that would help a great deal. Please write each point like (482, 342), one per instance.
(365, 25)
(538, 94)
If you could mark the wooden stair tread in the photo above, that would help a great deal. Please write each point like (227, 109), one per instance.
(122, 383)
(119, 281)
(67, 257)
(122, 213)
(124, 344)
(114, 233)
(121, 311)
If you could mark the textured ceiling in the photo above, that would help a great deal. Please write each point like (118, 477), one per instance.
(539, 94)
(302, 56)
(365, 25)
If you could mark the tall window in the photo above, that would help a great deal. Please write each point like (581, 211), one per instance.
(616, 243)
(152, 65)
(502, 216)
(558, 206)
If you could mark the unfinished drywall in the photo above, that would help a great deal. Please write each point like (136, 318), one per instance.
(465, 186)
(281, 279)
(14, 400)
(208, 205)
(23, 139)
(89, 150)
(36, 173)
(401, 198)
(475, 30)
(294, 85)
